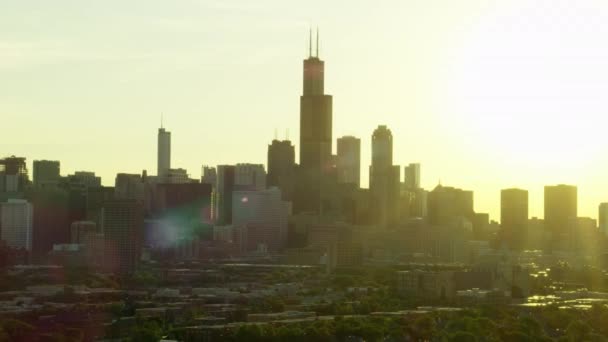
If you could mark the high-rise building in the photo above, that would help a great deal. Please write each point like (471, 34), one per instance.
(46, 173)
(349, 160)
(176, 176)
(281, 167)
(514, 216)
(224, 188)
(383, 179)
(315, 136)
(263, 214)
(561, 212)
(411, 176)
(16, 223)
(250, 176)
(13, 174)
(209, 175)
(129, 186)
(122, 228)
(603, 218)
(447, 204)
(315, 115)
(54, 210)
(164, 152)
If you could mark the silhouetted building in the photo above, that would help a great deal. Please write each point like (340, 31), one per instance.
(164, 153)
(250, 176)
(514, 216)
(122, 228)
(13, 174)
(225, 187)
(561, 211)
(349, 160)
(282, 167)
(81, 180)
(186, 205)
(411, 176)
(129, 186)
(447, 204)
(315, 135)
(383, 179)
(16, 223)
(176, 176)
(46, 173)
(603, 218)
(480, 225)
(209, 176)
(53, 210)
(263, 214)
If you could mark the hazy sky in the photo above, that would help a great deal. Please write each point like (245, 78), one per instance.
(485, 94)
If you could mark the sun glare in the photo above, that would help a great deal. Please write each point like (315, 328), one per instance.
(530, 85)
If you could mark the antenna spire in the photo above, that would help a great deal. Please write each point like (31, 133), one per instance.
(309, 42)
(317, 42)
(161, 120)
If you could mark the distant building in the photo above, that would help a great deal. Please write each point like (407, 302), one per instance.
(224, 188)
(123, 228)
(82, 180)
(164, 152)
(514, 216)
(561, 210)
(282, 167)
(46, 173)
(264, 215)
(209, 175)
(603, 218)
(80, 230)
(129, 186)
(176, 176)
(445, 204)
(383, 179)
(250, 176)
(411, 177)
(16, 223)
(349, 160)
(315, 138)
(13, 174)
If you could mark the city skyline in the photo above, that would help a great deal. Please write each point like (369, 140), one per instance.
(455, 154)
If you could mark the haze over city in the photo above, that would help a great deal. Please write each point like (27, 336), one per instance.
(485, 95)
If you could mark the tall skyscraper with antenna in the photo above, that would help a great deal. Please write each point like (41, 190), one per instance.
(315, 114)
(315, 132)
(164, 152)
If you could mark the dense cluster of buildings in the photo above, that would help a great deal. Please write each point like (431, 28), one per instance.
(311, 212)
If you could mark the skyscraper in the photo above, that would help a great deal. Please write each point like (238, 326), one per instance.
(122, 228)
(250, 176)
(514, 216)
(561, 213)
(13, 174)
(349, 160)
(447, 204)
(16, 223)
(46, 173)
(383, 178)
(315, 134)
(224, 188)
(263, 215)
(411, 176)
(603, 218)
(164, 152)
(281, 167)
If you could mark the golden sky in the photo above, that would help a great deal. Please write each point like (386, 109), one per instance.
(485, 94)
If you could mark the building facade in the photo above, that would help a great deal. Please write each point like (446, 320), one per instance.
(16, 218)
(349, 160)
